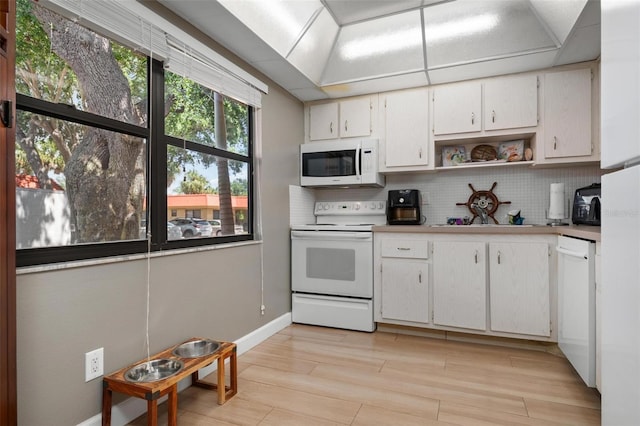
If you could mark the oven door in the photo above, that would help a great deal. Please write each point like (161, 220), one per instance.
(332, 263)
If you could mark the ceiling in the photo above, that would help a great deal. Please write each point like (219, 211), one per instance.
(318, 49)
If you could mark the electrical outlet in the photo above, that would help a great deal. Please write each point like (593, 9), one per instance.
(94, 364)
(426, 199)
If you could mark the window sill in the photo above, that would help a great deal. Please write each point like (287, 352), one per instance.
(126, 258)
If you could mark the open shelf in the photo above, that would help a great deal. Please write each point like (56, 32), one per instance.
(463, 147)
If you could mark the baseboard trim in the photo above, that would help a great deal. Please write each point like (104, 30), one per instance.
(132, 408)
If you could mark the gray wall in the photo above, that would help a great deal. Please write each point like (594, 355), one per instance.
(61, 314)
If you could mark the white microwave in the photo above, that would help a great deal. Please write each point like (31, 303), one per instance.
(340, 163)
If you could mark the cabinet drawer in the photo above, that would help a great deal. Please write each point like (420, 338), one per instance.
(413, 249)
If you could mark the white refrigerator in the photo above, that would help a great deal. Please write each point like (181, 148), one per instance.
(620, 141)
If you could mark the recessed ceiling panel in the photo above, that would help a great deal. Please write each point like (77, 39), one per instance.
(468, 30)
(312, 51)
(383, 47)
(279, 23)
(583, 45)
(560, 16)
(349, 11)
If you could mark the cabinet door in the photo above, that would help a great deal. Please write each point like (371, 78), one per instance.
(406, 128)
(323, 121)
(511, 102)
(355, 118)
(519, 288)
(457, 108)
(460, 284)
(567, 114)
(405, 290)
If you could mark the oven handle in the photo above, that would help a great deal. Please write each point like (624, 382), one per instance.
(323, 235)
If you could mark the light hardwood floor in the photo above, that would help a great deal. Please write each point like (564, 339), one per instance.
(312, 376)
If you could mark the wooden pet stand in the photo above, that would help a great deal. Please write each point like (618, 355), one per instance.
(152, 391)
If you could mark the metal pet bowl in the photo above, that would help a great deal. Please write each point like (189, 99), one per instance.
(196, 348)
(154, 370)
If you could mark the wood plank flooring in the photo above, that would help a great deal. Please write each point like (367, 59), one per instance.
(312, 376)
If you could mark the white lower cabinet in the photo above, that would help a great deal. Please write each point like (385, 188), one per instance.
(405, 289)
(519, 289)
(460, 284)
(403, 280)
(500, 285)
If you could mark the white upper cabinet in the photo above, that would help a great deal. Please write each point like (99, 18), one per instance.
(567, 114)
(406, 134)
(355, 118)
(457, 108)
(511, 102)
(342, 119)
(323, 121)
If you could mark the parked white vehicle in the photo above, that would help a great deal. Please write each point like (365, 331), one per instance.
(217, 228)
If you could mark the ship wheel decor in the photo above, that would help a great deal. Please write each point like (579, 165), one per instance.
(484, 199)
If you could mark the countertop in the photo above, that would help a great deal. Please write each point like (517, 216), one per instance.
(579, 231)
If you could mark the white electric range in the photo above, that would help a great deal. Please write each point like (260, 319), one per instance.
(332, 265)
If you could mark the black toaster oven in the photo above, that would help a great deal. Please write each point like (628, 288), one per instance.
(586, 206)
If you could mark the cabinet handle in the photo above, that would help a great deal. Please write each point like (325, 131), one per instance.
(493, 116)
(476, 256)
(346, 125)
(331, 127)
(403, 248)
(420, 153)
(473, 119)
(420, 278)
(498, 257)
(555, 143)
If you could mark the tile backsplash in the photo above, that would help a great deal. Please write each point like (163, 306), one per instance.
(526, 188)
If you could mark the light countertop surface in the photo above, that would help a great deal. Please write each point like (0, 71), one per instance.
(579, 231)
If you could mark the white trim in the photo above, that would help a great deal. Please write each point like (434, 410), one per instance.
(132, 408)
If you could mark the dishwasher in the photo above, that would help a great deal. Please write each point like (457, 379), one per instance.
(577, 305)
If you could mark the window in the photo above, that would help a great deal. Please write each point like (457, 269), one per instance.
(95, 121)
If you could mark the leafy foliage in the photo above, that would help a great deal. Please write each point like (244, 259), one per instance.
(195, 183)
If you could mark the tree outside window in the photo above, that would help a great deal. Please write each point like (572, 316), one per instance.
(83, 132)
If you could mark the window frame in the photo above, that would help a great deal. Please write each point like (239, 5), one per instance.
(155, 179)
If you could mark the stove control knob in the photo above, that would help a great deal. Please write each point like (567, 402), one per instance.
(372, 206)
(356, 206)
(381, 205)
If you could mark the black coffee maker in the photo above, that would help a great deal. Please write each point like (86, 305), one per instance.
(403, 207)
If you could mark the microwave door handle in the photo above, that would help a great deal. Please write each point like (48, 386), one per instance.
(358, 161)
